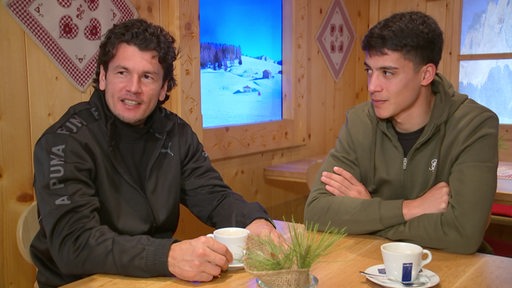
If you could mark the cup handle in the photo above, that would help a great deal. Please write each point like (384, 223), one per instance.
(210, 235)
(429, 257)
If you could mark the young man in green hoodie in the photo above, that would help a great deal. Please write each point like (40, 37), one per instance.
(418, 162)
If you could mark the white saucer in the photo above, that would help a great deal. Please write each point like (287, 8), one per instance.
(236, 266)
(425, 275)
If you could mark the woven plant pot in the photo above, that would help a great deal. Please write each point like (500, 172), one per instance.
(290, 278)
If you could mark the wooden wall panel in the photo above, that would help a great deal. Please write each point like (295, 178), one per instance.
(15, 151)
(34, 93)
(322, 86)
(351, 90)
(50, 93)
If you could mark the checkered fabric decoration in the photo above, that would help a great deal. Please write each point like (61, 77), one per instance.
(70, 31)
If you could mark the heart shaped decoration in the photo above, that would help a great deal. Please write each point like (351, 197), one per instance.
(92, 4)
(67, 29)
(64, 3)
(92, 30)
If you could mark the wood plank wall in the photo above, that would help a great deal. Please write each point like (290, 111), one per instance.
(34, 93)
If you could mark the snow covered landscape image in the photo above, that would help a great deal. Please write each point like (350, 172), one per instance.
(241, 67)
(241, 94)
(487, 28)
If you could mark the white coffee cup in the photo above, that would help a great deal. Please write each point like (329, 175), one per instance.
(403, 261)
(235, 239)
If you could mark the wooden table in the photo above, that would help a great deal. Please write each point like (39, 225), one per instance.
(340, 268)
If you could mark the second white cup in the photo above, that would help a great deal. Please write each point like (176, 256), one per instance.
(235, 239)
(403, 261)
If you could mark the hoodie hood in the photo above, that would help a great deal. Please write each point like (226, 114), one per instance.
(447, 99)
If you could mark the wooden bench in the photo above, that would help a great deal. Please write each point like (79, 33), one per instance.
(295, 171)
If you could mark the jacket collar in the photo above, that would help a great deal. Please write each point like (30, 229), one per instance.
(157, 125)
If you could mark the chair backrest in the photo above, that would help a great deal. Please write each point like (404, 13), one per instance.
(312, 172)
(28, 225)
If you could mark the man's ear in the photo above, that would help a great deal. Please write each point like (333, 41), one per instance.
(428, 72)
(102, 81)
(163, 92)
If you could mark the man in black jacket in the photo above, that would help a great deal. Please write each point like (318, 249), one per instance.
(111, 173)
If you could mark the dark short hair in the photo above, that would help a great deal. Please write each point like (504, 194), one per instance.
(415, 35)
(146, 37)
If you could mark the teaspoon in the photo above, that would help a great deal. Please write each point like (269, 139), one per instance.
(416, 283)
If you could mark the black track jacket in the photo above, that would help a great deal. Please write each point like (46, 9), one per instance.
(95, 219)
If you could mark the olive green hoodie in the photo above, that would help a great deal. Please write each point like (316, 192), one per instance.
(459, 145)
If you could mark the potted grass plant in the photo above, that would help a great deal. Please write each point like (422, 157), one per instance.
(280, 265)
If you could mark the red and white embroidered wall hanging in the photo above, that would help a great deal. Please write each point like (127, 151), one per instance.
(335, 38)
(70, 31)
